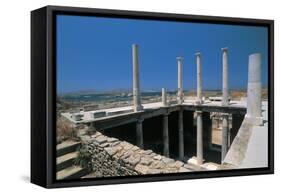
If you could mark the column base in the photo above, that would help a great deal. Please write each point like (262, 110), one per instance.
(198, 102)
(138, 108)
(258, 121)
(179, 101)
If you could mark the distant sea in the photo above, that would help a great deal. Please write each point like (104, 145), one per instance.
(107, 97)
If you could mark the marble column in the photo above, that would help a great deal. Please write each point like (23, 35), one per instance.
(166, 134)
(225, 96)
(181, 135)
(225, 130)
(199, 78)
(139, 132)
(180, 82)
(136, 81)
(164, 97)
(254, 112)
(199, 137)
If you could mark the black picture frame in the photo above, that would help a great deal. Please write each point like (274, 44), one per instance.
(43, 95)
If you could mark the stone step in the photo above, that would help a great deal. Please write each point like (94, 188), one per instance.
(72, 172)
(90, 175)
(193, 167)
(67, 147)
(66, 160)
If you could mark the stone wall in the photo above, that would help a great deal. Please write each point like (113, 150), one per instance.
(100, 163)
(134, 159)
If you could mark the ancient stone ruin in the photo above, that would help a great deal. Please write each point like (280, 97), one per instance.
(110, 156)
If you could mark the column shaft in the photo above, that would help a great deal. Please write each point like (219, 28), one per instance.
(225, 129)
(136, 83)
(225, 96)
(180, 82)
(199, 137)
(139, 131)
(164, 97)
(166, 135)
(199, 78)
(254, 90)
(181, 135)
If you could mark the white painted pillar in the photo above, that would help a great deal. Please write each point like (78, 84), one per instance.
(199, 78)
(180, 82)
(164, 97)
(166, 134)
(136, 81)
(254, 112)
(225, 129)
(139, 131)
(181, 135)
(199, 137)
(225, 96)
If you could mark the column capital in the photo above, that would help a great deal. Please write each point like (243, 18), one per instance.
(198, 54)
(166, 113)
(199, 112)
(224, 49)
(135, 45)
(140, 120)
(179, 58)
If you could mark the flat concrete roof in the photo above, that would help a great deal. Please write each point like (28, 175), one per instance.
(188, 104)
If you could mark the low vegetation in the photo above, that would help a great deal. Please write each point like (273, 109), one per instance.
(65, 131)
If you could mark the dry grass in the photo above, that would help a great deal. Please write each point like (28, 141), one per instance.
(65, 131)
(237, 95)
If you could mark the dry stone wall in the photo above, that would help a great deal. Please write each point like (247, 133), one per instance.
(137, 160)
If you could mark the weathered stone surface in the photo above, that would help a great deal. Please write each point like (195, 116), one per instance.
(86, 138)
(147, 152)
(101, 163)
(188, 166)
(133, 160)
(167, 160)
(142, 168)
(115, 143)
(101, 139)
(182, 169)
(120, 152)
(104, 144)
(176, 164)
(154, 171)
(160, 164)
(135, 148)
(146, 161)
(126, 145)
(172, 170)
(157, 157)
(153, 154)
(111, 140)
(111, 150)
(96, 134)
(127, 154)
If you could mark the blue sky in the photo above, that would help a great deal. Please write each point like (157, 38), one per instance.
(94, 53)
